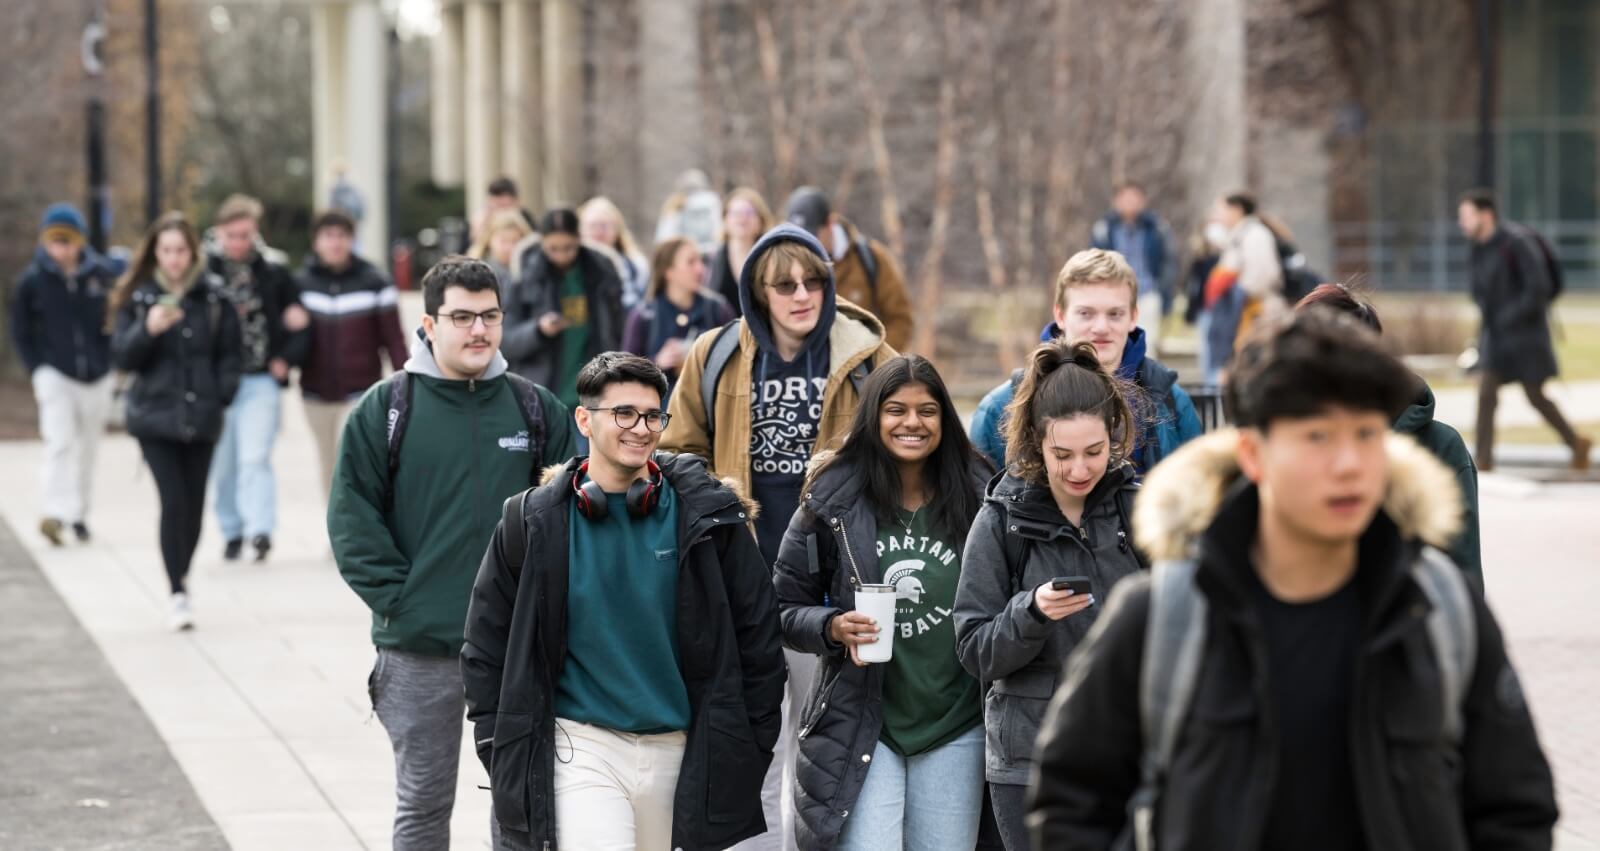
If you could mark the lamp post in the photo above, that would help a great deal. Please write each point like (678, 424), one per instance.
(152, 115)
(94, 35)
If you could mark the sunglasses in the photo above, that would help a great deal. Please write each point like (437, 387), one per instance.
(787, 288)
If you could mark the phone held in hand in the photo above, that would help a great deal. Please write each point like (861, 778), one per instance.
(1078, 584)
(169, 299)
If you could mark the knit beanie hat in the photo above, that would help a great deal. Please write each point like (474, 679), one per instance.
(62, 221)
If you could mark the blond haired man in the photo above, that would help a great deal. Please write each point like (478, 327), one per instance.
(1097, 302)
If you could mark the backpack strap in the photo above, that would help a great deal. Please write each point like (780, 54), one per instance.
(722, 351)
(399, 416)
(869, 263)
(1017, 549)
(1452, 629)
(858, 375)
(1124, 498)
(1174, 636)
(532, 409)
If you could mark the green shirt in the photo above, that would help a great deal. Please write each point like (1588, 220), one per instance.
(928, 698)
(575, 338)
(622, 668)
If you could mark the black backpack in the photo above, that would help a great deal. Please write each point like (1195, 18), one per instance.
(527, 396)
(1542, 246)
(1298, 278)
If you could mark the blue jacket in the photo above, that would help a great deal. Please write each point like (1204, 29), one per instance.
(1155, 246)
(61, 322)
(1175, 420)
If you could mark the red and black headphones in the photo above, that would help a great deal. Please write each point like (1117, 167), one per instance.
(643, 494)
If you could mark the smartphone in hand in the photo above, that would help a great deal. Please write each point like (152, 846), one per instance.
(1078, 584)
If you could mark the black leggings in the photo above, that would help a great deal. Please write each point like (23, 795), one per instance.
(180, 472)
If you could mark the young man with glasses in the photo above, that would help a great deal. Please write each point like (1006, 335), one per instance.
(408, 518)
(624, 683)
(788, 390)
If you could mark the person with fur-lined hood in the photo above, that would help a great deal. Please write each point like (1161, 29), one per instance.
(624, 685)
(1300, 669)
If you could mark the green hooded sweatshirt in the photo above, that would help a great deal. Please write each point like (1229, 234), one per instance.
(1445, 443)
(466, 450)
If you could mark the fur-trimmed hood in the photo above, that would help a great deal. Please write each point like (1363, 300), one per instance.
(676, 468)
(1183, 494)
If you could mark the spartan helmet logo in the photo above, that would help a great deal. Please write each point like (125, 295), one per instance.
(903, 576)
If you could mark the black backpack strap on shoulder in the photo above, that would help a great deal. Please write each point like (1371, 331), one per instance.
(869, 263)
(513, 533)
(722, 351)
(532, 409)
(1124, 498)
(399, 416)
(813, 556)
(858, 375)
(1017, 549)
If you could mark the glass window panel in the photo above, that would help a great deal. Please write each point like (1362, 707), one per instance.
(1577, 180)
(1525, 174)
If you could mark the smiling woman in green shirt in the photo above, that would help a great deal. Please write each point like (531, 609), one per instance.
(891, 754)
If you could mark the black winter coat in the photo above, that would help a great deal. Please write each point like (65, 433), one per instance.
(1415, 791)
(59, 322)
(1000, 637)
(1512, 288)
(276, 288)
(533, 355)
(185, 378)
(728, 643)
(842, 718)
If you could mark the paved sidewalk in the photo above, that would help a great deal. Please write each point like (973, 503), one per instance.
(264, 705)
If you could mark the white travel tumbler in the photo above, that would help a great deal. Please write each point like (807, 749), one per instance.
(877, 602)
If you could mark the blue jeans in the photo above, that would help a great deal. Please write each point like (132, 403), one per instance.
(246, 497)
(928, 801)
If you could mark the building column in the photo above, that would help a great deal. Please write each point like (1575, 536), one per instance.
(521, 139)
(448, 94)
(481, 113)
(1213, 60)
(366, 152)
(669, 98)
(561, 33)
(328, 83)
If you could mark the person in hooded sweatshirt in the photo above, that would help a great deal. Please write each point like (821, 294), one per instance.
(57, 324)
(408, 537)
(1097, 301)
(788, 390)
(1417, 420)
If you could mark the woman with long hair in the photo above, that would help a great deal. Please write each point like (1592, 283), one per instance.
(745, 217)
(1052, 539)
(498, 241)
(601, 221)
(677, 307)
(180, 340)
(890, 508)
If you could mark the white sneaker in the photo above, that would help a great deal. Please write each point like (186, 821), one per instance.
(179, 617)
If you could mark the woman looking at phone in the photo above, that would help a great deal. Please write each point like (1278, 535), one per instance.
(890, 508)
(181, 342)
(1051, 539)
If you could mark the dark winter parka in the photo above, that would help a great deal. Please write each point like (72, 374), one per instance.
(1415, 790)
(185, 378)
(1512, 288)
(59, 320)
(537, 357)
(728, 642)
(1000, 637)
(842, 718)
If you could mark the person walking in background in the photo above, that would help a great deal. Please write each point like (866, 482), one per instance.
(417, 491)
(501, 243)
(867, 274)
(692, 210)
(565, 308)
(1417, 420)
(893, 507)
(345, 198)
(355, 318)
(1204, 253)
(1052, 538)
(500, 196)
(1139, 235)
(1246, 284)
(1096, 303)
(174, 329)
(745, 218)
(272, 327)
(1299, 670)
(757, 400)
(622, 660)
(58, 324)
(599, 221)
(677, 308)
(1514, 279)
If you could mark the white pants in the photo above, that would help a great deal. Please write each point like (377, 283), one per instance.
(614, 791)
(1151, 320)
(72, 416)
(777, 792)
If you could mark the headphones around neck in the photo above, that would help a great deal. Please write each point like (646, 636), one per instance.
(643, 494)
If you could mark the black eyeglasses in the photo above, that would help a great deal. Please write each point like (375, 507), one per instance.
(627, 417)
(465, 318)
(787, 287)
